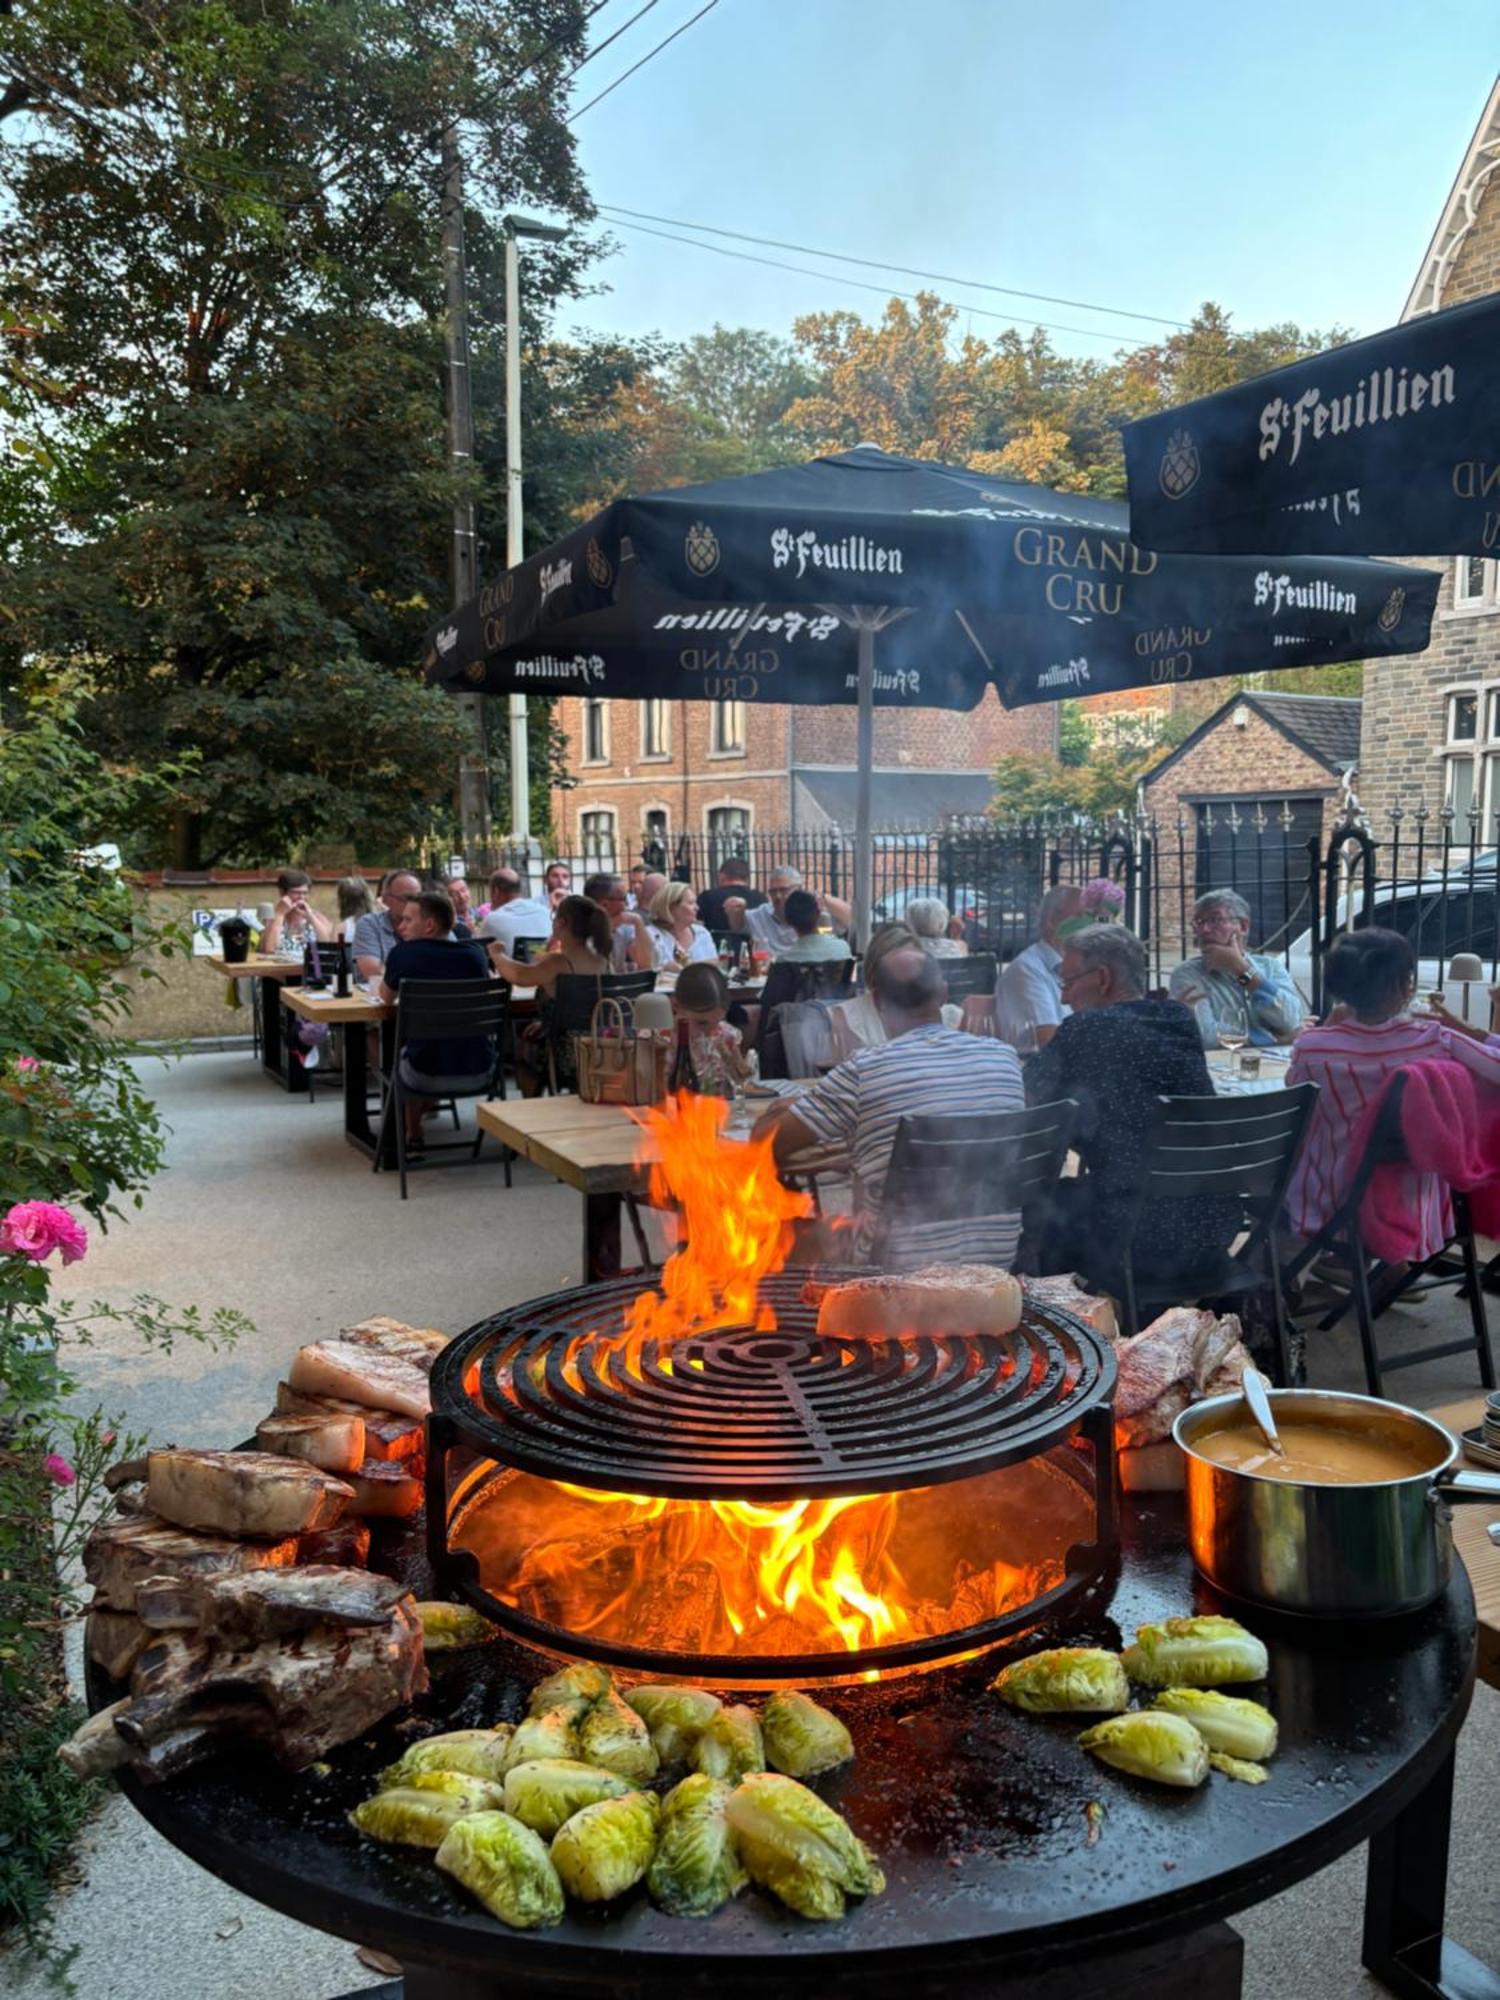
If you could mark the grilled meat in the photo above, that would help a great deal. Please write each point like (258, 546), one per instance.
(120, 1555)
(113, 1640)
(346, 1545)
(420, 1345)
(387, 1435)
(364, 1375)
(243, 1493)
(335, 1442)
(243, 1610)
(385, 1492)
(941, 1298)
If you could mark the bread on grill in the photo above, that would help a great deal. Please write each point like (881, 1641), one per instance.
(938, 1299)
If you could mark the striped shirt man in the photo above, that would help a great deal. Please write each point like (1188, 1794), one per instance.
(927, 1071)
(1352, 1062)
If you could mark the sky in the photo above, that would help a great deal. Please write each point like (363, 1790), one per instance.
(1288, 159)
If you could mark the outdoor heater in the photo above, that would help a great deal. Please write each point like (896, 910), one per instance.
(757, 1504)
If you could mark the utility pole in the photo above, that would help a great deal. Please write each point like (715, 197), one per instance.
(473, 769)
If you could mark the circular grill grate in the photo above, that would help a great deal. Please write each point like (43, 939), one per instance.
(550, 1388)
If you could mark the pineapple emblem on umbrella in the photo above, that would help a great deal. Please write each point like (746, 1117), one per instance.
(701, 549)
(1390, 611)
(1179, 465)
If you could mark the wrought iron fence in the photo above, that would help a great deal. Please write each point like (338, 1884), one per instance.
(1423, 873)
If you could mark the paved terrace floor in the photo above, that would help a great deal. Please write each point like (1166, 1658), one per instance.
(264, 1207)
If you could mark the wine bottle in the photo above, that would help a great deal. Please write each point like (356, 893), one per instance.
(683, 1074)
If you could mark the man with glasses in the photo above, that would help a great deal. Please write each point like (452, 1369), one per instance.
(375, 935)
(1227, 985)
(629, 950)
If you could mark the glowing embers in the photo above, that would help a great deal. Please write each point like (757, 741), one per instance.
(842, 1585)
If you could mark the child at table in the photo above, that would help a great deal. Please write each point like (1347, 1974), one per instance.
(701, 998)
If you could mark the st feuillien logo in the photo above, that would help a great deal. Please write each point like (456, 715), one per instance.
(701, 549)
(601, 570)
(447, 639)
(1180, 465)
(1390, 611)
(507, 587)
(474, 671)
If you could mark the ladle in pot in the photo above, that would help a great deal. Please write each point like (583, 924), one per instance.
(1254, 1387)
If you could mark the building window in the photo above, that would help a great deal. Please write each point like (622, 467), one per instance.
(654, 837)
(1476, 583)
(1463, 718)
(1460, 794)
(595, 731)
(597, 831)
(727, 738)
(656, 734)
(728, 829)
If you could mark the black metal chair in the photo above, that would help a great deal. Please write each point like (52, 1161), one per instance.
(822, 979)
(1374, 1285)
(1243, 1148)
(569, 1009)
(966, 977)
(960, 1168)
(435, 1010)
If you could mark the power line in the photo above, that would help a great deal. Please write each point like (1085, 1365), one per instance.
(708, 9)
(640, 14)
(884, 291)
(880, 264)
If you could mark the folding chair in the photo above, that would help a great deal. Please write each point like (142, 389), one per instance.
(1240, 1147)
(1375, 1285)
(960, 1168)
(439, 1009)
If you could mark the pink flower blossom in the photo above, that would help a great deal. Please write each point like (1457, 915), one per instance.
(35, 1229)
(1103, 894)
(59, 1470)
(26, 1064)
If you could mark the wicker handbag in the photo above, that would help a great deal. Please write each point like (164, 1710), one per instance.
(616, 1065)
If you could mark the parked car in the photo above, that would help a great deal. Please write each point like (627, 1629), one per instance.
(1442, 915)
(962, 900)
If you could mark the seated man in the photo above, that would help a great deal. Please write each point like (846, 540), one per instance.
(629, 947)
(1028, 994)
(922, 1069)
(1227, 985)
(514, 914)
(427, 949)
(767, 926)
(810, 946)
(376, 935)
(733, 881)
(1115, 1055)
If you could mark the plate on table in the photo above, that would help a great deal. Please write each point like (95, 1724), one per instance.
(1476, 1449)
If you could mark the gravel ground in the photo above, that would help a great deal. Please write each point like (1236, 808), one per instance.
(263, 1207)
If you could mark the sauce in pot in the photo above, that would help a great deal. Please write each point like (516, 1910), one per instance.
(1319, 1454)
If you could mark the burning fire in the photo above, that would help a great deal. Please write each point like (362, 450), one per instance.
(736, 1217)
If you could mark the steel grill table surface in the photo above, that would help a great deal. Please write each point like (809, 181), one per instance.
(980, 1817)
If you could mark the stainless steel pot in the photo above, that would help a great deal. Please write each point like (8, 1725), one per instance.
(1358, 1551)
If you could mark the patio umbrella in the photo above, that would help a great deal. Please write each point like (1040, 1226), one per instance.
(773, 588)
(1390, 445)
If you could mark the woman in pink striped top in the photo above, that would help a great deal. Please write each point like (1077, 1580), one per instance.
(1371, 975)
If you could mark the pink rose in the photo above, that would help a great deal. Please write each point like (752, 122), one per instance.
(59, 1470)
(35, 1229)
(26, 1064)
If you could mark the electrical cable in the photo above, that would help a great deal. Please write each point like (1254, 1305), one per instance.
(862, 284)
(639, 15)
(708, 9)
(879, 264)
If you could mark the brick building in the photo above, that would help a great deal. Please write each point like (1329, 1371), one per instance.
(1236, 804)
(1431, 730)
(649, 771)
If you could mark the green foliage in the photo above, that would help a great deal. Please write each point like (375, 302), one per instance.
(76, 1130)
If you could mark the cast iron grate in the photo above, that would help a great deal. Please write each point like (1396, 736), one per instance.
(551, 1388)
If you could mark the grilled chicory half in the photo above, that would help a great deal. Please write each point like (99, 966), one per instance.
(697, 1866)
(612, 1734)
(506, 1866)
(676, 1717)
(730, 1745)
(1066, 1678)
(1226, 1722)
(1238, 1767)
(478, 1753)
(573, 1688)
(419, 1812)
(606, 1848)
(447, 1627)
(801, 1738)
(1195, 1652)
(798, 1847)
(554, 1734)
(544, 1794)
(1151, 1744)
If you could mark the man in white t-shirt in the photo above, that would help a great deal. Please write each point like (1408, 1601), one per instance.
(514, 914)
(1028, 994)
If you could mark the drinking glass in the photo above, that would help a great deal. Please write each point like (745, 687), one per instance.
(1234, 1031)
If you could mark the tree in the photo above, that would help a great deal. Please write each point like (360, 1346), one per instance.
(228, 213)
(744, 382)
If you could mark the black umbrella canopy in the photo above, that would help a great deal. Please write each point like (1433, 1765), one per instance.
(747, 589)
(1388, 446)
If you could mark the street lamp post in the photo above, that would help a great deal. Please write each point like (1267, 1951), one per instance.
(517, 226)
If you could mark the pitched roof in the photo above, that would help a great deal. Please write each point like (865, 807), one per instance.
(901, 798)
(1324, 726)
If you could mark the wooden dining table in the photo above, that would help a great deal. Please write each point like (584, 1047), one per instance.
(272, 975)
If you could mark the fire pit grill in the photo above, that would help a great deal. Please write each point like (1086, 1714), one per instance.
(773, 1416)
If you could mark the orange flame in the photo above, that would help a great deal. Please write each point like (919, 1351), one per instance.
(736, 1216)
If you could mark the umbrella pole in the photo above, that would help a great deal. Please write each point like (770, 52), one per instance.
(864, 780)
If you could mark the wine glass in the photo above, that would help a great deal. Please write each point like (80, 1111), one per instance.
(1234, 1031)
